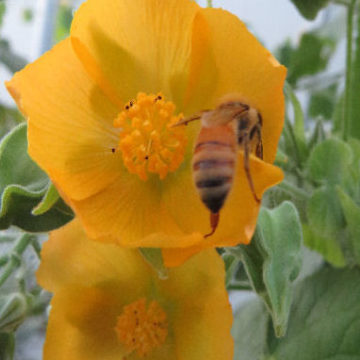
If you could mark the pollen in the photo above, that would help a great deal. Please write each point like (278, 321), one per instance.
(140, 328)
(148, 142)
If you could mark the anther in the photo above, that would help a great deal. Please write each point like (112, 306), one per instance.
(147, 141)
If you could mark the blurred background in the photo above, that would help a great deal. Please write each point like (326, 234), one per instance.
(28, 28)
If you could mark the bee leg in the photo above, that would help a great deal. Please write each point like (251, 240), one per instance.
(259, 146)
(185, 121)
(214, 220)
(247, 166)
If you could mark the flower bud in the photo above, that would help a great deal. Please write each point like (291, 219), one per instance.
(13, 309)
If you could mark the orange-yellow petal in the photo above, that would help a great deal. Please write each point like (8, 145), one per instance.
(204, 316)
(85, 311)
(81, 326)
(236, 62)
(70, 129)
(69, 257)
(132, 213)
(140, 45)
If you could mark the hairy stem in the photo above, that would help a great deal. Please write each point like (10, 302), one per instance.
(349, 48)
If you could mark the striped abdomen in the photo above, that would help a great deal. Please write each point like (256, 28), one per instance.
(214, 164)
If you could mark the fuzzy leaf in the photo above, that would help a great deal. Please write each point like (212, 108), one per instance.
(325, 318)
(329, 161)
(50, 198)
(352, 217)
(324, 212)
(328, 247)
(273, 260)
(249, 330)
(309, 8)
(23, 185)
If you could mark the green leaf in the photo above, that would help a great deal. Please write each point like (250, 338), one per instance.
(281, 238)
(324, 212)
(273, 260)
(352, 217)
(325, 318)
(309, 8)
(2, 12)
(63, 22)
(311, 56)
(318, 134)
(338, 115)
(249, 331)
(154, 258)
(328, 247)
(23, 185)
(9, 118)
(28, 15)
(299, 127)
(322, 102)
(11, 60)
(329, 161)
(50, 198)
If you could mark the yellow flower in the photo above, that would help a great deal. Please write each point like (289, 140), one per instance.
(108, 304)
(100, 107)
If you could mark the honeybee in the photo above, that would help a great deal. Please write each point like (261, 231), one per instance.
(231, 126)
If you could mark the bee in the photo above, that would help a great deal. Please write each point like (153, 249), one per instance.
(231, 126)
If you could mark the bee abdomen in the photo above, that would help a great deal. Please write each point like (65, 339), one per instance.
(213, 174)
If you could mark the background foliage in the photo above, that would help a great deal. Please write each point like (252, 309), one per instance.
(300, 273)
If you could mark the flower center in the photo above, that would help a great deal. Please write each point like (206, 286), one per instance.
(142, 329)
(148, 142)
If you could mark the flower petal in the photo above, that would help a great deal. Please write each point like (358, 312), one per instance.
(204, 317)
(236, 62)
(69, 257)
(140, 45)
(138, 217)
(70, 122)
(81, 326)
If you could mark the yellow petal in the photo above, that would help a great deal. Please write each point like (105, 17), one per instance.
(132, 213)
(236, 62)
(203, 320)
(100, 280)
(81, 326)
(70, 257)
(70, 128)
(140, 45)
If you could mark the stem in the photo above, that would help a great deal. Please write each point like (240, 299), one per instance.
(239, 287)
(341, 2)
(37, 248)
(20, 246)
(294, 190)
(349, 47)
(209, 4)
(3, 260)
(291, 133)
